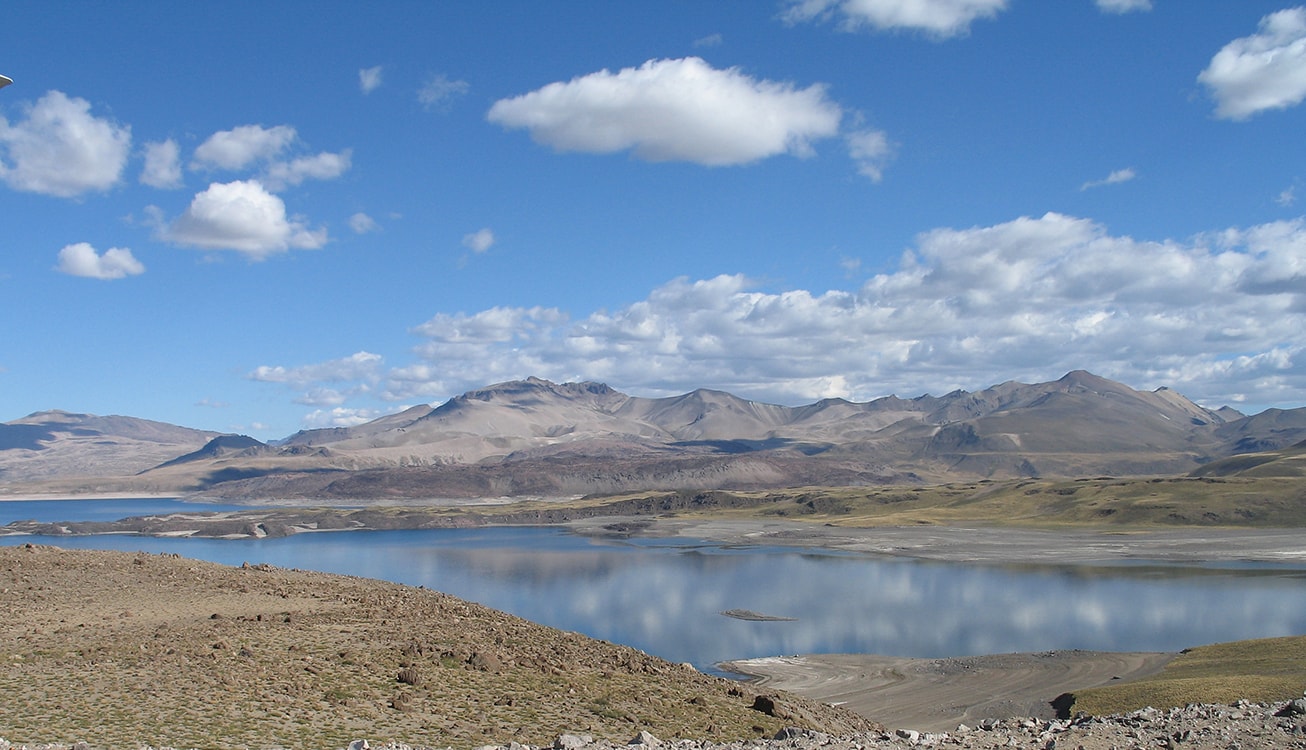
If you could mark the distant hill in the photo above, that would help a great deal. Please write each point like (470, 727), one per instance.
(66, 446)
(1287, 462)
(538, 438)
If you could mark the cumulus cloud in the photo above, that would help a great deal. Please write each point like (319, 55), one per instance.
(1115, 178)
(324, 166)
(241, 216)
(340, 417)
(479, 241)
(162, 165)
(940, 19)
(361, 223)
(1215, 316)
(1031, 298)
(248, 145)
(61, 149)
(369, 79)
(1266, 70)
(1123, 6)
(674, 110)
(80, 259)
(242, 146)
(439, 91)
(357, 366)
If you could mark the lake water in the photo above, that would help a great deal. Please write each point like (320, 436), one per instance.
(666, 596)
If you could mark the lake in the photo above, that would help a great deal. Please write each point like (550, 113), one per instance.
(666, 597)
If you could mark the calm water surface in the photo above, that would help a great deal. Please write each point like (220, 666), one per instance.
(666, 598)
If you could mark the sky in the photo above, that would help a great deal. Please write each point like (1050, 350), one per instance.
(264, 217)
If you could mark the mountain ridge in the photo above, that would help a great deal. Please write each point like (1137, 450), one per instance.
(534, 437)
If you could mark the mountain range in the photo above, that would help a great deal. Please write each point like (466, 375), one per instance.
(535, 438)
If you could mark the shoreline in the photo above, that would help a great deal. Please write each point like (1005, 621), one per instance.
(983, 545)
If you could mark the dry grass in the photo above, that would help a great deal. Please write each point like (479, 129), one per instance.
(1271, 669)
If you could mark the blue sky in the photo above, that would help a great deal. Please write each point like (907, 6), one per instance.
(262, 217)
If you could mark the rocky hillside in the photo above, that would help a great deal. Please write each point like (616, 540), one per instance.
(127, 650)
(537, 438)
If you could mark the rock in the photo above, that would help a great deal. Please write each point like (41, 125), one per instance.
(795, 733)
(765, 704)
(1293, 708)
(572, 741)
(409, 676)
(645, 739)
(486, 662)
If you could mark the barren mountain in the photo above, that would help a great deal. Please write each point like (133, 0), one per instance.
(62, 445)
(537, 438)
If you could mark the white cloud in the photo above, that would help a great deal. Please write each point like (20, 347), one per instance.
(241, 216)
(340, 417)
(357, 366)
(439, 91)
(369, 79)
(80, 259)
(674, 110)
(1123, 6)
(1115, 178)
(1215, 316)
(870, 149)
(1031, 298)
(479, 241)
(162, 165)
(1287, 196)
(361, 223)
(1266, 70)
(324, 166)
(322, 397)
(60, 149)
(938, 18)
(711, 40)
(242, 146)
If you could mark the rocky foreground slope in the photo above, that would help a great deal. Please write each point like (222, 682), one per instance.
(121, 650)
